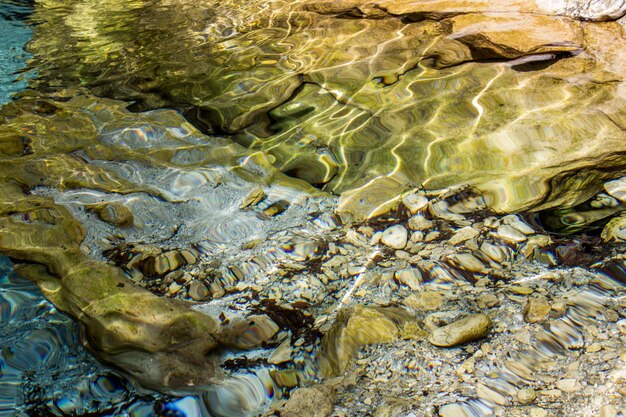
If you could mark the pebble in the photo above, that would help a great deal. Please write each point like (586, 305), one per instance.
(493, 252)
(608, 411)
(414, 202)
(432, 236)
(468, 262)
(198, 291)
(174, 288)
(487, 300)
(465, 330)
(538, 412)
(417, 236)
(412, 278)
(615, 230)
(395, 237)
(452, 410)
(536, 310)
(526, 395)
(559, 309)
(567, 385)
(616, 188)
(463, 234)
(520, 289)
(594, 347)
(286, 378)
(282, 353)
(490, 394)
(419, 222)
(515, 222)
(611, 315)
(427, 300)
(510, 234)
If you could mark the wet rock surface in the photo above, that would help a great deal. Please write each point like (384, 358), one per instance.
(222, 264)
(455, 94)
(467, 329)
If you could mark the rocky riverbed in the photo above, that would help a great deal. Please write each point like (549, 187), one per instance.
(431, 310)
(346, 208)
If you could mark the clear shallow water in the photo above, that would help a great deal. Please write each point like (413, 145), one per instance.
(285, 99)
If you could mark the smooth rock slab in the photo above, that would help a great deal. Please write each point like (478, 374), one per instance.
(465, 330)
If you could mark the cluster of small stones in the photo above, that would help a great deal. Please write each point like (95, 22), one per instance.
(488, 300)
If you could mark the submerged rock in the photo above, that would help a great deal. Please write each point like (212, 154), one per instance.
(309, 402)
(358, 327)
(461, 331)
(536, 309)
(395, 237)
(162, 343)
(615, 230)
(495, 95)
(115, 213)
(617, 188)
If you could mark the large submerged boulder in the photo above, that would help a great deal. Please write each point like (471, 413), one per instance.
(368, 98)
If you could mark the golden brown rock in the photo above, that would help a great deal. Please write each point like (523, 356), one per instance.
(309, 402)
(515, 35)
(357, 327)
(461, 331)
(536, 309)
(162, 343)
(115, 213)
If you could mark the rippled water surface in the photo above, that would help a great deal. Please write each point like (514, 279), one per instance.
(234, 198)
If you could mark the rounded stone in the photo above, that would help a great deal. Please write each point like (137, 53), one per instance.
(414, 202)
(198, 291)
(453, 410)
(467, 329)
(617, 188)
(419, 222)
(526, 395)
(395, 237)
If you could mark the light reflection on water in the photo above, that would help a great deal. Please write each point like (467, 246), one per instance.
(367, 122)
(14, 34)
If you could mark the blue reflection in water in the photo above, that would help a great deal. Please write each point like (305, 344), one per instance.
(45, 371)
(14, 33)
